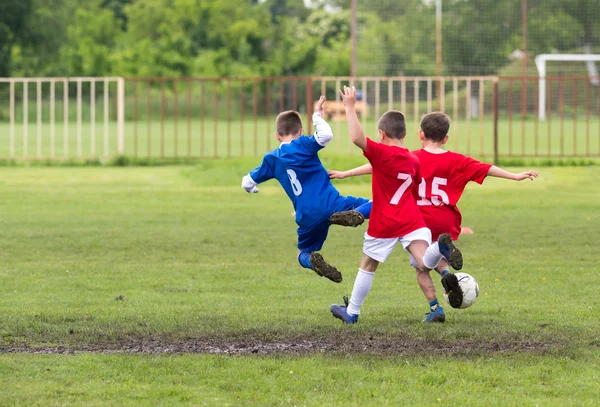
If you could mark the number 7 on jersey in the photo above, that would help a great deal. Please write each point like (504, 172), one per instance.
(407, 181)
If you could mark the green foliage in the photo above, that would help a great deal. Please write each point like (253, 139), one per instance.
(245, 38)
(13, 29)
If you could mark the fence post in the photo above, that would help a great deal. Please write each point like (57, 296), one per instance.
(12, 118)
(309, 103)
(121, 115)
(495, 108)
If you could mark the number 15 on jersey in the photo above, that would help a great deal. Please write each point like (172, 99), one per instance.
(436, 192)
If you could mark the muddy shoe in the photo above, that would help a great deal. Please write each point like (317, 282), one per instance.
(453, 290)
(324, 269)
(450, 252)
(347, 218)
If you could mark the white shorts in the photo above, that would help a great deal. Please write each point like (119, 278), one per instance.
(379, 248)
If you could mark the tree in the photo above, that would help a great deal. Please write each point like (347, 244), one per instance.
(91, 38)
(13, 20)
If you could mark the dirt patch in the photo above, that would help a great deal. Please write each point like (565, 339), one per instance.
(298, 346)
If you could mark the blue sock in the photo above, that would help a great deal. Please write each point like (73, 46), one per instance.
(444, 272)
(304, 260)
(365, 209)
(433, 305)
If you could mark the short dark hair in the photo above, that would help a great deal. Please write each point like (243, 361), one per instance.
(288, 122)
(435, 126)
(393, 124)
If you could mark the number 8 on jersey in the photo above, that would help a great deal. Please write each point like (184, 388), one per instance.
(296, 185)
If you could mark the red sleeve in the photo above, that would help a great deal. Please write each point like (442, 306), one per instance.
(474, 170)
(373, 152)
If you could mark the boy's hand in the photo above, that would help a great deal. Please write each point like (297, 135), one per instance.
(527, 175)
(319, 106)
(336, 174)
(349, 96)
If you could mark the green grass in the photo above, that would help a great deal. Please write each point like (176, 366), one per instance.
(521, 379)
(209, 138)
(195, 259)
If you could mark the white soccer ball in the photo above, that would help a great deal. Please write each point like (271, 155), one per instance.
(469, 287)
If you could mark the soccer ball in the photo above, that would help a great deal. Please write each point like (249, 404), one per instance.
(469, 287)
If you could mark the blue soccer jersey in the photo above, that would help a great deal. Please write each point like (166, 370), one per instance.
(298, 169)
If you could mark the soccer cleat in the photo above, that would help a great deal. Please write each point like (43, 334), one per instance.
(450, 252)
(453, 290)
(340, 312)
(436, 316)
(347, 218)
(324, 269)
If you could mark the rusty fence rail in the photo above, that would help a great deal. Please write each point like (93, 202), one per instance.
(562, 121)
(159, 118)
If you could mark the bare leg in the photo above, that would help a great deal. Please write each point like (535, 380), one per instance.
(418, 248)
(368, 264)
(426, 284)
(443, 265)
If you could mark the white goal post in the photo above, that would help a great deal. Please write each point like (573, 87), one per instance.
(540, 62)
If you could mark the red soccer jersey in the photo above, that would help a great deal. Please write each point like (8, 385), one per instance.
(395, 174)
(444, 177)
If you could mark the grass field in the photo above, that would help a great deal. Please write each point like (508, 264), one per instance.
(171, 286)
(210, 139)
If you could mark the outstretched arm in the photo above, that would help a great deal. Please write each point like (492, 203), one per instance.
(260, 174)
(500, 173)
(362, 170)
(356, 133)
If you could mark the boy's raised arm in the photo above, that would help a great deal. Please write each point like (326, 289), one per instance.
(356, 133)
(323, 132)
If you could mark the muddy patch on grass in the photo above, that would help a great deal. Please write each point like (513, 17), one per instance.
(296, 346)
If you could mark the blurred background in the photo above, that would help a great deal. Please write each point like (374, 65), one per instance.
(205, 77)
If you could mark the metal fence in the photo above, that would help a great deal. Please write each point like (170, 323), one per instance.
(492, 117)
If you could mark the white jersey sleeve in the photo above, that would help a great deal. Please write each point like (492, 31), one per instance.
(249, 185)
(323, 132)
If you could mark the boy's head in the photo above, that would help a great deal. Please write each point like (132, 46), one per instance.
(435, 126)
(288, 123)
(392, 125)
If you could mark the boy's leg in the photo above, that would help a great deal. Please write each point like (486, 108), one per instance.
(352, 212)
(362, 285)
(375, 251)
(443, 267)
(417, 244)
(427, 258)
(446, 247)
(309, 242)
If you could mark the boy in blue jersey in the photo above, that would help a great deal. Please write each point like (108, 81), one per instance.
(297, 168)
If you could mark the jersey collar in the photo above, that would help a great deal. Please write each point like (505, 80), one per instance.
(284, 142)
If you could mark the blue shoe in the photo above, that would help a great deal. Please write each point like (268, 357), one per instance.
(340, 312)
(436, 316)
(450, 252)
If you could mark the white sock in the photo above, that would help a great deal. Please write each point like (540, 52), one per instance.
(432, 256)
(362, 286)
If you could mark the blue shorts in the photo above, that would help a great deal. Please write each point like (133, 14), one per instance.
(312, 239)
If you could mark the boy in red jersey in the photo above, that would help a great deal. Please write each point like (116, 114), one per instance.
(395, 216)
(445, 175)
